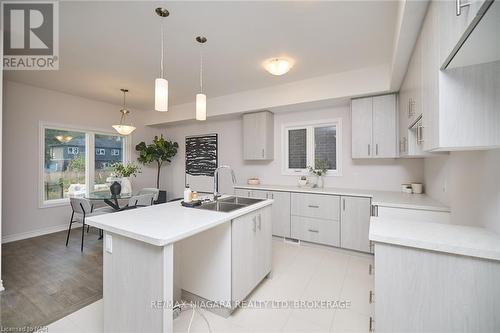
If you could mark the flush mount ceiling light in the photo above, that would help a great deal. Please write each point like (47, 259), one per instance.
(201, 98)
(64, 138)
(278, 66)
(161, 84)
(122, 128)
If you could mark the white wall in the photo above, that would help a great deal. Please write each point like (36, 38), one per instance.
(24, 107)
(375, 174)
(470, 183)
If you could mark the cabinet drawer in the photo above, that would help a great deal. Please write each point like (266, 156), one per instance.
(316, 230)
(316, 205)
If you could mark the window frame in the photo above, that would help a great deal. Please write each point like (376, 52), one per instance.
(89, 157)
(310, 151)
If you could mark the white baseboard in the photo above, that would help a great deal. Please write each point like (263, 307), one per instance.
(38, 232)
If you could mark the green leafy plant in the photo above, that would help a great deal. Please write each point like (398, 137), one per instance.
(126, 170)
(159, 151)
(320, 168)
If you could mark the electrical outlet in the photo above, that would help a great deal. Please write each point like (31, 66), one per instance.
(109, 243)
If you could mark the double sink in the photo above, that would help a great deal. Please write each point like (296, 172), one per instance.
(228, 204)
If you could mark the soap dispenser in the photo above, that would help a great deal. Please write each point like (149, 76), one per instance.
(187, 194)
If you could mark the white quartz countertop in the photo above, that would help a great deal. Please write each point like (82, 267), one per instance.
(166, 223)
(449, 238)
(380, 198)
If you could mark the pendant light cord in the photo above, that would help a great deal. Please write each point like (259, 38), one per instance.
(201, 68)
(162, 48)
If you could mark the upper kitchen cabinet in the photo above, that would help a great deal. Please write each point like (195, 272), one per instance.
(374, 127)
(258, 136)
(459, 106)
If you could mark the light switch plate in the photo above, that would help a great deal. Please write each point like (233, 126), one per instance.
(109, 243)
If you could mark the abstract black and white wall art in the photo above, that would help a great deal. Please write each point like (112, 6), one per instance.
(201, 161)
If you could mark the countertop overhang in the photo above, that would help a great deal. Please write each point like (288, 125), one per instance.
(380, 198)
(167, 223)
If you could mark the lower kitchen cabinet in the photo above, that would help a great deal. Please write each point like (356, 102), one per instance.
(428, 291)
(355, 217)
(251, 251)
(280, 208)
(316, 230)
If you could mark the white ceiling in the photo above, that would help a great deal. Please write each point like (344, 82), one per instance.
(105, 46)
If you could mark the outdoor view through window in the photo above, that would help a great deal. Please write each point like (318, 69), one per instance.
(65, 163)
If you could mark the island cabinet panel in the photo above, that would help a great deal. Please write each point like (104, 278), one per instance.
(135, 276)
(355, 219)
(251, 251)
(280, 209)
(428, 291)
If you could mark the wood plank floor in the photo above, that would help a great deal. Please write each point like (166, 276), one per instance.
(44, 280)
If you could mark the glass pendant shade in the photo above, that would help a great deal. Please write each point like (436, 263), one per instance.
(201, 107)
(161, 95)
(124, 129)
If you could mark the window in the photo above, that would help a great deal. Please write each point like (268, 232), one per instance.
(305, 144)
(104, 163)
(115, 152)
(67, 168)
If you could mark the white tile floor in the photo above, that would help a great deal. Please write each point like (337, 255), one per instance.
(305, 272)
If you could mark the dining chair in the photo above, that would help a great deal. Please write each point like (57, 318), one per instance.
(141, 200)
(83, 208)
(148, 190)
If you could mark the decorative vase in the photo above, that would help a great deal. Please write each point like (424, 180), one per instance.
(126, 186)
(319, 182)
(115, 188)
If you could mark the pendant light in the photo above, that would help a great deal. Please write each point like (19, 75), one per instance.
(161, 84)
(122, 128)
(201, 98)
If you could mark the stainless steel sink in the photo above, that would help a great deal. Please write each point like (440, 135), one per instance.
(228, 204)
(241, 200)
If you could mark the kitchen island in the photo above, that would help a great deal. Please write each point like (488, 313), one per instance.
(219, 256)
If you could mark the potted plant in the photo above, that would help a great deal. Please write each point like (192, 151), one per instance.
(125, 171)
(159, 151)
(319, 170)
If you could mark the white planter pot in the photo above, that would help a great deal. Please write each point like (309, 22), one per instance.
(126, 186)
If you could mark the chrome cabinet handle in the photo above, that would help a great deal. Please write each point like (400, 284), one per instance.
(313, 206)
(343, 204)
(370, 269)
(249, 194)
(370, 298)
(313, 230)
(371, 328)
(272, 195)
(267, 195)
(260, 222)
(420, 132)
(460, 5)
(263, 153)
(369, 149)
(254, 219)
(376, 149)
(374, 210)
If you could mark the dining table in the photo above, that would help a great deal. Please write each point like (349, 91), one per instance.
(108, 198)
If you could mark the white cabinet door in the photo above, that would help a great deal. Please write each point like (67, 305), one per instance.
(258, 136)
(384, 126)
(280, 213)
(355, 223)
(263, 260)
(243, 231)
(361, 117)
(259, 194)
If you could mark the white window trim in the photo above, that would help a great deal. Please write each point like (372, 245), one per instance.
(89, 157)
(310, 143)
